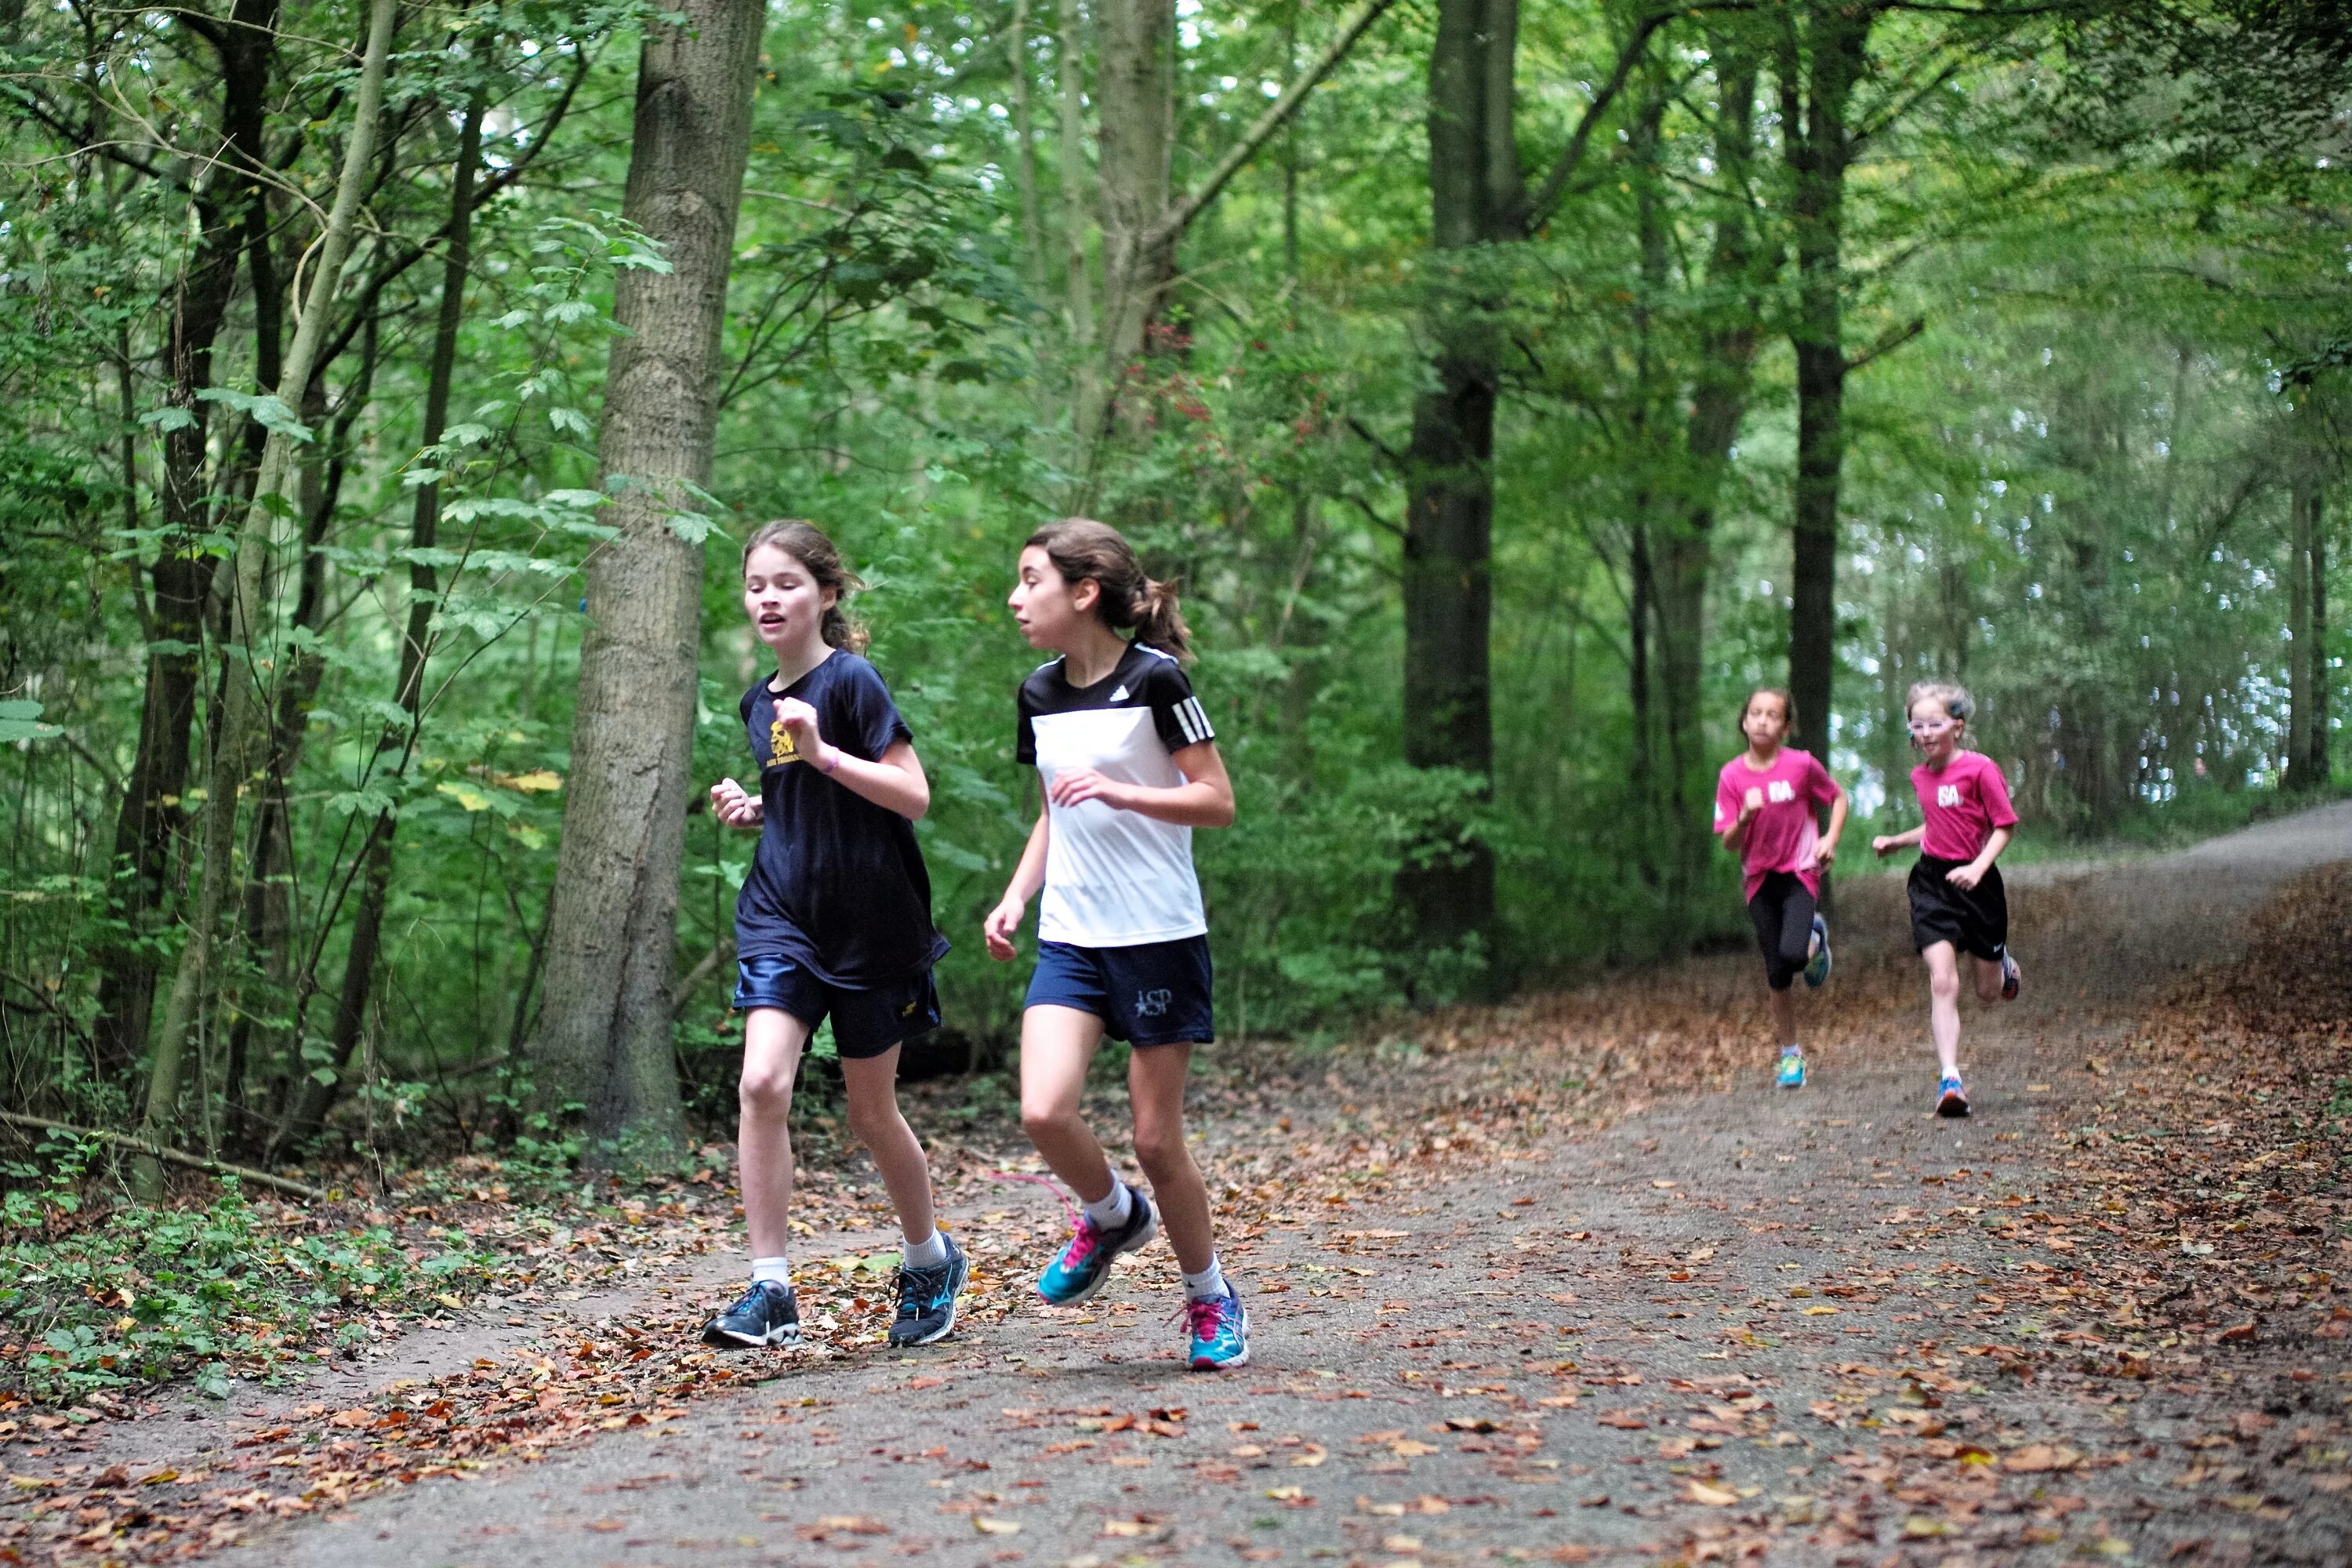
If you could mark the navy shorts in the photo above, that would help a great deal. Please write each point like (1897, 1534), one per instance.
(1156, 994)
(866, 1022)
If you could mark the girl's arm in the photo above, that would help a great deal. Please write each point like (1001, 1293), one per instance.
(1969, 875)
(1887, 843)
(1027, 878)
(1205, 798)
(1825, 851)
(897, 783)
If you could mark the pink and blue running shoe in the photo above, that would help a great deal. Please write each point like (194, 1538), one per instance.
(1220, 1331)
(1086, 1262)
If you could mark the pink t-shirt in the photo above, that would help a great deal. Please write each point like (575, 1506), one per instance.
(1783, 836)
(1962, 804)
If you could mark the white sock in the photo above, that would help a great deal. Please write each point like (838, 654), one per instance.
(778, 1269)
(1793, 1049)
(1110, 1213)
(1208, 1285)
(928, 1253)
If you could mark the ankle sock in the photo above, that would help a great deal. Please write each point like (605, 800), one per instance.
(1110, 1213)
(928, 1253)
(778, 1269)
(1792, 1051)
(1207, 1285)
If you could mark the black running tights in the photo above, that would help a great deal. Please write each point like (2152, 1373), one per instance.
(1782, 909)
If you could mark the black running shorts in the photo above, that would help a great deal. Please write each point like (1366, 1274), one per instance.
(1973, 919)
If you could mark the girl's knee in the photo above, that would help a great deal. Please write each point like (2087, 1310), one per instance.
(1160, 1146)
(1046, 1115)
(762, 1091)
(1944, 984)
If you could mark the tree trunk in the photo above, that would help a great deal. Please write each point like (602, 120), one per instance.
(2306, 667)
(315, 1091)
(604, 1039)
(1079, 297)
(1818, 149)
(1024, 167)
(1719, 394)
(233, 744)
(1448, 882)
(1135, 108)
(181, 579)
(2323, 762)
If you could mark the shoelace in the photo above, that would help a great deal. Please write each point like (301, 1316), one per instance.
(1205, 1317)
(1084, 1239)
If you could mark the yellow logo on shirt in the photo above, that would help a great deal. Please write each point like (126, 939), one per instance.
(779, 745)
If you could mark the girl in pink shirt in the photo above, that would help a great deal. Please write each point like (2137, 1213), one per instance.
(1958, 904)
(1767, 807)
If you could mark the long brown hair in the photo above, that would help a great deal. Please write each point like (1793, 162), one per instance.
(807, 544)
(1080, 548)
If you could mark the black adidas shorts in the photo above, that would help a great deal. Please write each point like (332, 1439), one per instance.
(1973, 919)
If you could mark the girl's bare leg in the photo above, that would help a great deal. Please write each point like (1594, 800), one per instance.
(1155, 1085)
(1057, 1044)
(1987, 980)
(875, 1118)
(773, 1040)
(1944, 1004)
(1784, 1014)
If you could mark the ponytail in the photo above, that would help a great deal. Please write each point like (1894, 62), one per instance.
(807, 543)
(1081, 548)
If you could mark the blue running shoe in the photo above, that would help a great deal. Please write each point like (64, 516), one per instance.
(1085, 1263)
(767, 1315)
(2010, 977)
(926, 1299)
(1817, 961)
(1951, 1100)
(1792, 1069)
(1220, 1331)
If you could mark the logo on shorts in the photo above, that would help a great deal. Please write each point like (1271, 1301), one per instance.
(1948, 795)
(1153, 1004)
(909, 1010)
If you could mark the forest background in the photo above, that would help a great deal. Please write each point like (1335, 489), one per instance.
(1510, 387)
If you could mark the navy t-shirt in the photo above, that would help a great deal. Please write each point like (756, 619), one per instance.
(838, 884)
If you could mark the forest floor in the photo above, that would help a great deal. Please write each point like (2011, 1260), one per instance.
(1564, 1281)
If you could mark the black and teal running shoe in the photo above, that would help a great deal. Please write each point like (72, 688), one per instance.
(1817, 961)
(765, 1315)
(926, 1299)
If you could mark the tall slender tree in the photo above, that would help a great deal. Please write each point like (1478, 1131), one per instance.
(604, 1039)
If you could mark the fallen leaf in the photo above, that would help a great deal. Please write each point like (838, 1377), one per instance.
(1713, 1497)
(988, 1526)
(2041, 1459)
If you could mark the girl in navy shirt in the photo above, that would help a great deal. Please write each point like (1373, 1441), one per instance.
(834, 919)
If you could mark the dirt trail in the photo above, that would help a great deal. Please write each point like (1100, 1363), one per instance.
(1728, 1326)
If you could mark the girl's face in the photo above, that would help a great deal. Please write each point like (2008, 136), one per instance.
(1050, 610)
(1935, 733)
(1766, 722)
(785, 604)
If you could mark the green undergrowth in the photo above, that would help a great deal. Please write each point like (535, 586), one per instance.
(141, 1296)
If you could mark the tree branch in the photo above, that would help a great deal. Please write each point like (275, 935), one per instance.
(161, 1151)
(1177, 218)
(1547, 200)
(1888, 342)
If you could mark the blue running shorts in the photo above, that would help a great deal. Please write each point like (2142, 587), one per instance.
(866, 1022)
(1154, 994)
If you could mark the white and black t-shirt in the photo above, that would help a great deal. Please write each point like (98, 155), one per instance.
(1113, 878)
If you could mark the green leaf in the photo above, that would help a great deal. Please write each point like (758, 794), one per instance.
(168, 419)
(272, 415)
(692, 526)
